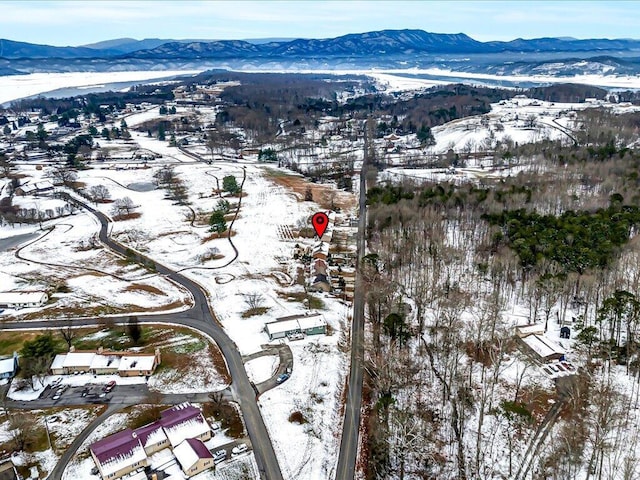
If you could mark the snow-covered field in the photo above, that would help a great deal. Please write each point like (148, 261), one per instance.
(13, 87)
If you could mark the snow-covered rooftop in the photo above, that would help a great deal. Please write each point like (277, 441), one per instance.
(78, 359)
(190, 451)
(105, 361)
(151, 434)
(7, 298)
(137, 362)
(543, 346)
(135, 455)
(281, 326)
(311, 321)
(58, 361)
(191, 428)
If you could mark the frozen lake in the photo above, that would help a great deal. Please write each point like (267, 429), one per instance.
(14, 87)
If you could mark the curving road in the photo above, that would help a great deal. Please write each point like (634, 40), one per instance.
(201, 318)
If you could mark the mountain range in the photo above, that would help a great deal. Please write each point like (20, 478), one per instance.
(385, 48)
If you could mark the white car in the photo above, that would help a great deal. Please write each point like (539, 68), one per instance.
(219, 456)
(238, 449)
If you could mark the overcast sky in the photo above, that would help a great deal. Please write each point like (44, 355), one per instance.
(81, 22)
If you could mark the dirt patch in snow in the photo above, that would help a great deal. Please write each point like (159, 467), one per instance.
(323, 195)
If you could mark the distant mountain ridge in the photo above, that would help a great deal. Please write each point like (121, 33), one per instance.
(378, 49)
(385, 42)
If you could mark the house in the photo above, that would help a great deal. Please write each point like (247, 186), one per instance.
(320, 283)
(184, 421)
(281, 329)
(541, 348)
(193, 456)
(18, 300)
(9, 367)
(118, 454)
(8, 470)
(102, 362)
(309, 324)
(34, 188)
(321, 251)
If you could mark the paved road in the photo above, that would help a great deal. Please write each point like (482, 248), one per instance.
(351, 426)
(201, 318)
(14, 241)
(56, 473)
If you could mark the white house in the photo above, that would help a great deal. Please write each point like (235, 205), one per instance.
(19, 300)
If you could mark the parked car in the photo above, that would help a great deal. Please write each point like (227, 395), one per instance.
(238, 449)
(219, 456)
(57, 396)
(281, 378)
(109, 386)
(56, 382)
(85, 392)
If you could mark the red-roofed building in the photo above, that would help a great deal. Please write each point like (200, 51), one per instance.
(193, 456)
(126, 451)
(118, 454)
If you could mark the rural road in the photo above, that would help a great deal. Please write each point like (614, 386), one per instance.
(201, 318)
(56, 473)
(351, 426)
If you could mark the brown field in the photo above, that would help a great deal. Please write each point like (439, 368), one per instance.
(138, 287)
(322, 194)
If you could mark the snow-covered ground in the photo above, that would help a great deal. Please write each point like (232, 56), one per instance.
(261, 368)
(202, 376)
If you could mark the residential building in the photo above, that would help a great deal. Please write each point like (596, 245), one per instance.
(128, 450)
(152, 437)
(541, 348)
(194, 457)
(19, 300)
(184, 421)
(118, 454)
(308, 323)
(103, 362)
(34, 188)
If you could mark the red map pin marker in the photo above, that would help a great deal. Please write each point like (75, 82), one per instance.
(320, 223)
